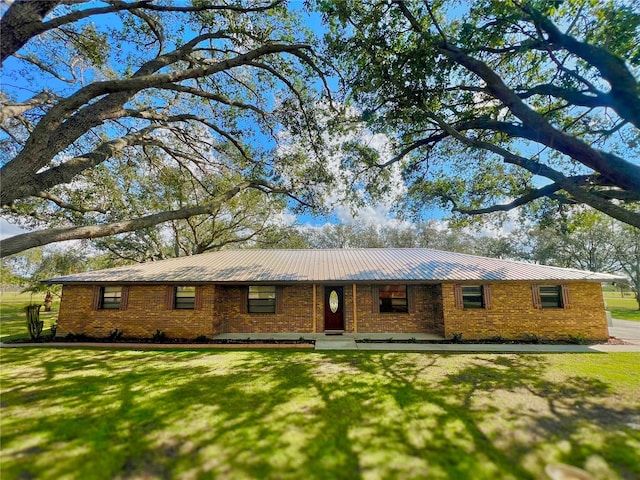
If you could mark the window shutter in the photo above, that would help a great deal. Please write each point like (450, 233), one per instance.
(457, 293)
(411, 299)
(565, 297)
(486, 296)
(244, 299)
(124, 297)
(97, 296)
(535, 293)
(375, 299)
(199, 300)
(279, 299)
(170, 297)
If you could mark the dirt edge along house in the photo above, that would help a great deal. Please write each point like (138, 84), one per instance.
(333, 291)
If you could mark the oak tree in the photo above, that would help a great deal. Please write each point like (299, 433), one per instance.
(207, 85)
(497, 104)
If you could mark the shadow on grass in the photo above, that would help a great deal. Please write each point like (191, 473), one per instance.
(284, 414)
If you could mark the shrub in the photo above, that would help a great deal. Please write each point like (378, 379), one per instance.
(201, 338)
(77, 337)
(578, 339)
(159, 336)
(34, 324)
(531, 338)
(115, 335)
(456, 337)
(54, 329)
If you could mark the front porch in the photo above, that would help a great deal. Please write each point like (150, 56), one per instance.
(344, 341)
(408, 337)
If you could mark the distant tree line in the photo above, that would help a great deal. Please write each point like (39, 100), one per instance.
(586, 239)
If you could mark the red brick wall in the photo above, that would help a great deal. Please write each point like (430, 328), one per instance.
(145, 313)
(513, 316)
(425, 318)
(296, 317)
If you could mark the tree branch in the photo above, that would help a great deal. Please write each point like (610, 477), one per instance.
(212, 96)
(66, 205)
(579, 193)
(20, 23)
(65, 172)
(574, 97)
(57, 130)
(547, 191)
(12, 110)
(625, 174)
(25, 241)
(23, 20)
(624, 86)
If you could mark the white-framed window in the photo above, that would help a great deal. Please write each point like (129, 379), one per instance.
(110, 298)
(469, 297)
(262, 299)
(550, 296)
(185, 298)
(472, 296)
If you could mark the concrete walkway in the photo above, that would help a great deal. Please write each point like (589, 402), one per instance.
(621, 329)
(348, 343)
(626, 330)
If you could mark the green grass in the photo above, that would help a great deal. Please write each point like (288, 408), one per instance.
(101, 414)
(13, 320)
(624, 308)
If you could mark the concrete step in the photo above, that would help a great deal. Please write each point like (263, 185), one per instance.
(335, 342)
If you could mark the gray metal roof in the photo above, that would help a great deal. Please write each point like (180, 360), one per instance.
(359, 265)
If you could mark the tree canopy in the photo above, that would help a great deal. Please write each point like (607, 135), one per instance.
(92, 89)
(585, 239)
(497, 104)
(150, 124)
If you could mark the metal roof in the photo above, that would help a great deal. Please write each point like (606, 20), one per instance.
(358, 265)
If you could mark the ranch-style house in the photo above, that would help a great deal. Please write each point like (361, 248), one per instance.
(359, 291)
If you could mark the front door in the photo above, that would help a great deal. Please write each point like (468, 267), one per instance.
(333, 308)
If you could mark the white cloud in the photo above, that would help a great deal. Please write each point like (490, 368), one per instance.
(338, 197)
(510, 223)
(283, 219)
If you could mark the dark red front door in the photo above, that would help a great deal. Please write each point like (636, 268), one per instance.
(333, 308)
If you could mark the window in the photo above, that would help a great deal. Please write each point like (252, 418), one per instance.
(185, 298)
(393, 299)
(472, 296)
(110, 298)
(262, 299)
(550, 296)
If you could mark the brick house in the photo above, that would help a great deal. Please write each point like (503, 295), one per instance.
(332, 291)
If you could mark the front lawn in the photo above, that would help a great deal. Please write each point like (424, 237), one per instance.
(94, 414)
(624, 308)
